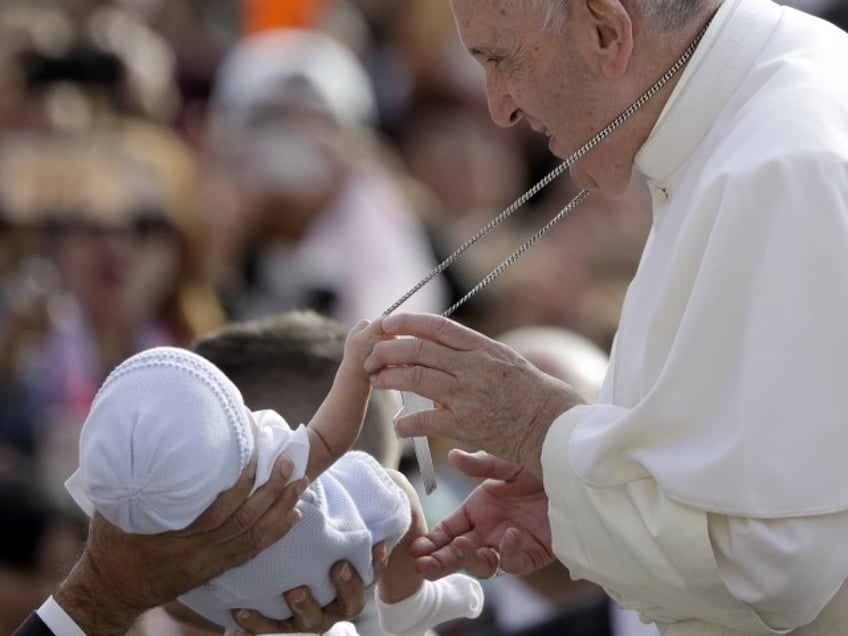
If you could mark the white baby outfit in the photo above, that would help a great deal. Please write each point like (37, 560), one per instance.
(168, 431)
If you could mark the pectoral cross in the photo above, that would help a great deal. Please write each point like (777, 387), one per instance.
(412, 403)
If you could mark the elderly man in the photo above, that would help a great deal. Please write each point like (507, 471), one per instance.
(706, 488)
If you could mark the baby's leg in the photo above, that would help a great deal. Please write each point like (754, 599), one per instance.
(399, 580)
(409, 605)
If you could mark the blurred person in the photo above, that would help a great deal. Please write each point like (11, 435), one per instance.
(470, 175)
(198, 33)
(473, 172)
(42, 537)
(71, 70)
(321, 222)
(414, 56)
(148, 88)
(26, 27)
(705, 488)
(118, 270)
(163, 416)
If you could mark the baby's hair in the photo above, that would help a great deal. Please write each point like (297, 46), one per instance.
(287, 362)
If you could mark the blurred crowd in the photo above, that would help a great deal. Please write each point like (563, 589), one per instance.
(167, 167)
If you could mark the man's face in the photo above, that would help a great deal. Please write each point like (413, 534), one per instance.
(540, 76)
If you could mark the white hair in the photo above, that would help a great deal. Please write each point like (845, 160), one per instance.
(553, 12)
(667, 15)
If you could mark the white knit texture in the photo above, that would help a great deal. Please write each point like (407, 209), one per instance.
(351, 507)
(167, 432)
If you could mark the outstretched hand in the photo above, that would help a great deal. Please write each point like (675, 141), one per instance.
(503, 523)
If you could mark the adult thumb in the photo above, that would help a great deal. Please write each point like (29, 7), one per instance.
(483, 465)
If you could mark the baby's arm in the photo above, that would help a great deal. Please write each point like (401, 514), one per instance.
(336, 425)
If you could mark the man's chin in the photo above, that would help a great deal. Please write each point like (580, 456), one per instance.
(583, 179)
(611, 187)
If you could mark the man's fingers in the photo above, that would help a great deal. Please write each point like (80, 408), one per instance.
(270, 528)
(477, 561)
(428, 423)
(432, 327)
(521, 553)
(226, 503)
(350, 592)
(253, 622)
(428, 379)
(392, 352)
(254, 507)
(433, 569)
(513, 557)
(461, 554)
(379, 558)
(441, 535)
(483, 465)
(306, 614)
(422, 547)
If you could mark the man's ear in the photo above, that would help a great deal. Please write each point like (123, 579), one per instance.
(612, 35)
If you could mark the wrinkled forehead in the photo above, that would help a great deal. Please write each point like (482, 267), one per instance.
(490, 23)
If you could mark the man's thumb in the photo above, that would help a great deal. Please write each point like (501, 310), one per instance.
(482, 465)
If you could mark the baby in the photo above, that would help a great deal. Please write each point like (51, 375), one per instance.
(168, 431)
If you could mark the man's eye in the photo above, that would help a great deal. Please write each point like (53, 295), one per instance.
(494, 60)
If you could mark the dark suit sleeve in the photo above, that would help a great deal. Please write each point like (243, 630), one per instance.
(33, 626)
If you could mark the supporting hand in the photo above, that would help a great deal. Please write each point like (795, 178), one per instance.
(308, 616)
(120, 575)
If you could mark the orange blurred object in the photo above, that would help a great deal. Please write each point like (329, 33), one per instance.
(264, 15)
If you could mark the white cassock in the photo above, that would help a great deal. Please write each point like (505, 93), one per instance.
(709, 485)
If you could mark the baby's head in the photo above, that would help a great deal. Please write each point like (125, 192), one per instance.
(167, 432)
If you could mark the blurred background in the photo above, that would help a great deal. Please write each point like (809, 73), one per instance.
(167, 167)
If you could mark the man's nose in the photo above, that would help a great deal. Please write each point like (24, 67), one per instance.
(502, 109)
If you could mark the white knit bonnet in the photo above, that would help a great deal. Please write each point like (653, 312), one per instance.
(167, 432)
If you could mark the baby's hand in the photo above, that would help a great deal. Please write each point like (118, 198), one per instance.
(360, 341)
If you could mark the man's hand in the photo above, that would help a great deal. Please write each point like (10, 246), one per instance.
(120, 575)
(487, 395)
(503, 522)
(307, 616)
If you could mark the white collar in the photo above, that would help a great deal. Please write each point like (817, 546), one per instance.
(737, 33)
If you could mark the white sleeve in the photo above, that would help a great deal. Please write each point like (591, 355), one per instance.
(710, 483)
(651, 553)
(776, 563)
(57, 620)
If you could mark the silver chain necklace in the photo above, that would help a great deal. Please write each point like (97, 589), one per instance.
(413, 402)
